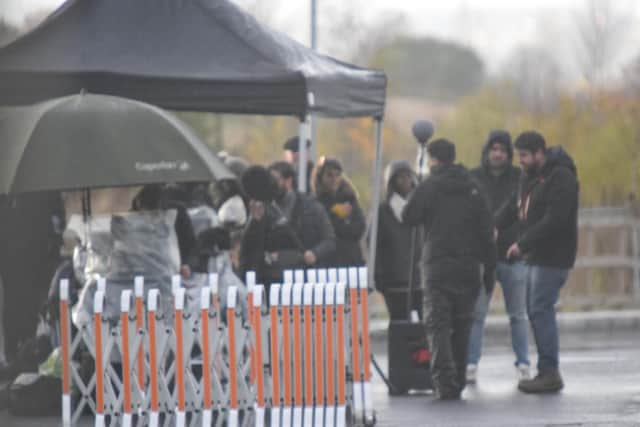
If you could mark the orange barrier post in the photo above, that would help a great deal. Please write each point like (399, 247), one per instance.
(98, 305)
(308, 355)
(205, 304)
(286, 353)
(233, 371)
(258, 291)
(180, 362)
(153, 357)
(65, 343)
(125, 306)
(297, 355)
(366, 349)
(274, 302)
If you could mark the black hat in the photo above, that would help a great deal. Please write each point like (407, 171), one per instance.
(442, 150)
(293, 144)
(530, 141)
(259, 184)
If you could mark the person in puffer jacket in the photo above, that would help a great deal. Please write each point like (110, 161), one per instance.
(338, 196)
(546, 209)
(393, 266)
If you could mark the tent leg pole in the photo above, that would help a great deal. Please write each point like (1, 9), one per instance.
(302, 155)
(375, 202)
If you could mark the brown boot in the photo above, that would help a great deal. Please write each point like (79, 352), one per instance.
(548, 381)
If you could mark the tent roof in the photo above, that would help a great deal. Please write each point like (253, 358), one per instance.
(199, 55)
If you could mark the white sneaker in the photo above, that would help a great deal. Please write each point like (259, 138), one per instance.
(472, 373)
(523, 371)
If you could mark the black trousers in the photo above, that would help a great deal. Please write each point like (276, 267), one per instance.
(396, 302)
(449, 315)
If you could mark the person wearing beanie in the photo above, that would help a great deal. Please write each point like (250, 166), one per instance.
(291, 149)
(498, 179)
(546, 209)
(458, 257)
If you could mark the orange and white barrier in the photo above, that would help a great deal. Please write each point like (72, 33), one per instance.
(303, 361)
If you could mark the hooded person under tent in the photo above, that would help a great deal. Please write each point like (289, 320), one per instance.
(393, 266)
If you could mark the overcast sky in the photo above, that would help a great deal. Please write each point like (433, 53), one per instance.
(493, 27)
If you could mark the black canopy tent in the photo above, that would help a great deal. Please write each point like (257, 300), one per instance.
(195, 55)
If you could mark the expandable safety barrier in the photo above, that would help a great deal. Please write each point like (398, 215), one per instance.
(300, 358)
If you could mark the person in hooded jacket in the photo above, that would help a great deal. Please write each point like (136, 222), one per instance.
(338, 196)
(546, 208)
(393, 266)
(458, 257)
(498, 180)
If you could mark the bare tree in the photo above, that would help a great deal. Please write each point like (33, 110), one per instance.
(346, 34)
(601, 30)
(535, 76)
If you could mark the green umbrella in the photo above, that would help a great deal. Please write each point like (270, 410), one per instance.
(94, 141)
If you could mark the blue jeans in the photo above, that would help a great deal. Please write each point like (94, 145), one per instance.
(514, 287)
(543, 290)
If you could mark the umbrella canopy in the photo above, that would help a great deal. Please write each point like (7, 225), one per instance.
(92, 141)
(204, 55)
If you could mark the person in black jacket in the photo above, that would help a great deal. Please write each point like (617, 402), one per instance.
(458, 243)
(292, 231)
(498, 180)
(547, 211)
(340, 199)
(393, 266)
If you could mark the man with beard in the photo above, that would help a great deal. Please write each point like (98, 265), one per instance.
(547, 210)
(498, 180)
(458, 243)
(292, 231)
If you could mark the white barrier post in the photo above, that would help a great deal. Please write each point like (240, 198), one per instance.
(329, 308)
(98, 305)
(333, 275)
(341, 411)
(287, 277)
(274, 302)
(180, 356)
(323, 276)
(205, 305)
(355, 343)
(139, 294)
(250, 281)
(298, 276)
(258, 291)
(152, 306)
(321, 397)
(366, 349)
(125, 306)
(312, 276)
(308, 355)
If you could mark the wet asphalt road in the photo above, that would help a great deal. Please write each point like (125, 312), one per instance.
(601, 372)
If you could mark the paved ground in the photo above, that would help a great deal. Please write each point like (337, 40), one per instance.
(601, 371)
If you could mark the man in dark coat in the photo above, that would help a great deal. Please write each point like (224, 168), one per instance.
(498, 180)
(292, 231)
(393, 266)
(547, 210)
(31, 227)
(458, 256)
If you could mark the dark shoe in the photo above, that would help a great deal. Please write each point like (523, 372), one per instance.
(545, 382)
(448, 394)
